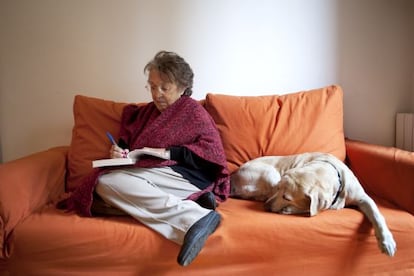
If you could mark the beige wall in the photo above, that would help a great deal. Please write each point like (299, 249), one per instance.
(376, 66)
(54, 49)
(412, 57)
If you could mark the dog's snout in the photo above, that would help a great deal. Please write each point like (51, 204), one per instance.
(268, 205)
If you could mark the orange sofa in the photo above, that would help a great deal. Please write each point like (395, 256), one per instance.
(39, 239)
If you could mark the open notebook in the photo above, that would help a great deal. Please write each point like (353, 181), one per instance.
(131, 158)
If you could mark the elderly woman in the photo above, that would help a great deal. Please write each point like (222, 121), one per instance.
(174, 195)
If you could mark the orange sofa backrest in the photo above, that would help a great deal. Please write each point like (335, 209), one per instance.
(307, 121)
(250, 127)
(93, 117)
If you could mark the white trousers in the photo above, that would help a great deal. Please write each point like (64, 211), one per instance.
(155, 197)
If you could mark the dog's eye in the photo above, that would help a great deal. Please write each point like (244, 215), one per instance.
(287, 197)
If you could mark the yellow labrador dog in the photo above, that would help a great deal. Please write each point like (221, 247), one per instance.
(308, 183)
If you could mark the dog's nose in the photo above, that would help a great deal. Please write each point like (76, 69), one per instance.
(268, 205)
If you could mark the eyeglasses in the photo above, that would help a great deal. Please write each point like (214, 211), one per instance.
(161, 89)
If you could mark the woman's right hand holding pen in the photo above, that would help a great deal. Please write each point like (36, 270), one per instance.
(117, 152)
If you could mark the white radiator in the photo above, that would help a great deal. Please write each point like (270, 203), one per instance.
(405, 131)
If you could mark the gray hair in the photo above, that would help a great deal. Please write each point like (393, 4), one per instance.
(175, 68)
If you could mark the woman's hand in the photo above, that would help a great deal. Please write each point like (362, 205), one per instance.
(160, 152)
(117, 152)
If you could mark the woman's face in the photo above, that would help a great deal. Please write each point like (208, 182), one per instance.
(163, 93)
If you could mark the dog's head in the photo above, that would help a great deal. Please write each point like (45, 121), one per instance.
(300, 191)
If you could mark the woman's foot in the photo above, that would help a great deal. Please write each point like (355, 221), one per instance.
(207, 200)
(196, 236)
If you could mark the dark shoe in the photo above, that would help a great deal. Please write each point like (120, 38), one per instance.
(207, 200)
(196, 236)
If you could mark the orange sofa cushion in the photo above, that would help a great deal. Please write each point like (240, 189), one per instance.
(93, 117)
(306, 121)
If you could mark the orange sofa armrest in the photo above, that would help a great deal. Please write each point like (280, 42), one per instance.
(27, 184)
(385, 172)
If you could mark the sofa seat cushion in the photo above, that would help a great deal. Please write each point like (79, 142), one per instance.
(306, 121)
(54, 243)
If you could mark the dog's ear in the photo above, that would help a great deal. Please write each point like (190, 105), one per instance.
(314, 203)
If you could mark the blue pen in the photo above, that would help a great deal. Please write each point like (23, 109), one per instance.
(111, 138)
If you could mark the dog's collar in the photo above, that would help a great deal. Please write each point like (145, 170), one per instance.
(341, 184)
(341, 188)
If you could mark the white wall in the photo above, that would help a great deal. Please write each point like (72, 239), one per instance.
(52, 50)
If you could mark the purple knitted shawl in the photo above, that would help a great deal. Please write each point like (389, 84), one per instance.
(185, 123)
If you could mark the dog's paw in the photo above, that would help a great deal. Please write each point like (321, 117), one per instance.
(387, 244)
